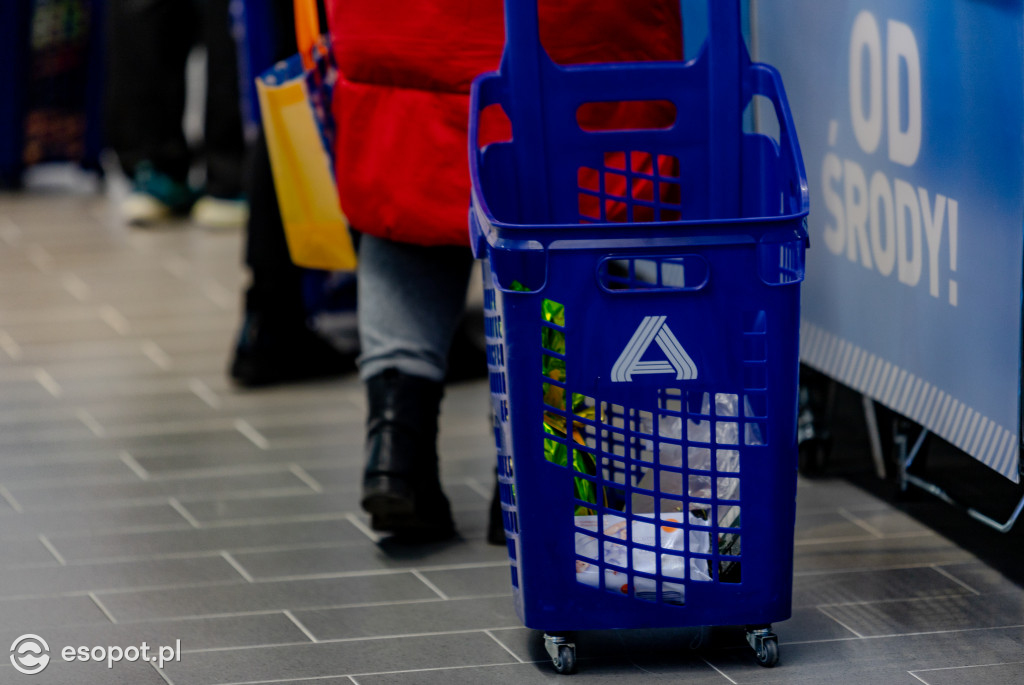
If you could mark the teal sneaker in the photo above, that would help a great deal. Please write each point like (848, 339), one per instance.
(155, 197)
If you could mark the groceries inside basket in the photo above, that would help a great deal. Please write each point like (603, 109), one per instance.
(657, 494)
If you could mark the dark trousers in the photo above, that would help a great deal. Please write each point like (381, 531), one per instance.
(276, 286)
(148, 46)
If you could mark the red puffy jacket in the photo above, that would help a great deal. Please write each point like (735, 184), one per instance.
(402, 103)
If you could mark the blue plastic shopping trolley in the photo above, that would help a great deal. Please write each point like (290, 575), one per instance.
(642, 305)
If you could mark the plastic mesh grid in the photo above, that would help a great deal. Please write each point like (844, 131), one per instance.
(498, 376)
(630, 186)
(657, 495)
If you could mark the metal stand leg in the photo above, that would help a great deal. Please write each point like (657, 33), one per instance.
(873, 435)
(903, 462)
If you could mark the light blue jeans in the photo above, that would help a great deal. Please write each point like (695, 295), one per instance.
(410, 301)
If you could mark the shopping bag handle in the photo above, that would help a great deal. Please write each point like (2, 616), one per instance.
(307, 29)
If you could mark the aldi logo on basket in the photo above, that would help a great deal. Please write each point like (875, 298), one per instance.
(653, 329)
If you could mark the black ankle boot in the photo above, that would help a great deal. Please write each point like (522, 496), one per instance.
(401, 487)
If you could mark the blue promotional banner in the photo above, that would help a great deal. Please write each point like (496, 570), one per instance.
(911, 118)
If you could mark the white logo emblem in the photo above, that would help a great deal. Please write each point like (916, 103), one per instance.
(29, 654)
(653, 329)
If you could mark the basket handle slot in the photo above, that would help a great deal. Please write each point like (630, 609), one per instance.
(623, 274)
(622, 115)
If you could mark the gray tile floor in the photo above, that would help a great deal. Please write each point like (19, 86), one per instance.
(143, 498)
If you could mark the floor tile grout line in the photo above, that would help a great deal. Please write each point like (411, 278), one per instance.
(423, 579)
(106, 612)
(478, 488)
(10, 346)
(115, 319)
(494, 637)
(76, 287)
(957, 668)
(353, 676)
(177, 266)
(116, 591)
(90, 422)
(943, 572)
(383, 572)
(10, 232)
(177, 427)
(117, 530)
(430, 670)
(184, 513)
(237, 566)
(329, 607)
(219, 295)
(157, 355)
(827, 614)
(217, 583)
(205, 393)
(273, 520)
(890, 600)
(9, 498)
(942, 632)
(363, 528)
(347, 640)
(161, 673)
(223, 471)
(128, 460)
(807, 542)
(158, 499)
(719, 671)
(304, 476)
(193, 554)
(873, 569)
(48, 382)
(253, 435)
(860, 523)
(52, 550)
(45, 483)
(39, 257)
(300, 626)
(63, 483)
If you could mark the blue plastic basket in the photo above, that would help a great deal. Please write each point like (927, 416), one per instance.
(680, 336)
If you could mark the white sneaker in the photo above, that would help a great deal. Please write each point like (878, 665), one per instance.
(143, 209)
(220, 213)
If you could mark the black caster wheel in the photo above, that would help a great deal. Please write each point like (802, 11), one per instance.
(768, 654)
(565, 662)
(562, 653)
(765, 644)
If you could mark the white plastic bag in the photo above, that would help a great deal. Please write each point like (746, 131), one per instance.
(616, 557)
(725, 447)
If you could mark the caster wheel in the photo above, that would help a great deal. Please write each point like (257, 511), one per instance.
(565, 662)
(767, 653)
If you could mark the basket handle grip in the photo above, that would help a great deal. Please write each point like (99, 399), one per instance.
(525, 62)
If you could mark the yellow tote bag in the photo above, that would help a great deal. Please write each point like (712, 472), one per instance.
(294, 98)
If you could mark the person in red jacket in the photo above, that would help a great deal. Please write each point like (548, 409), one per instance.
(402, 110)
